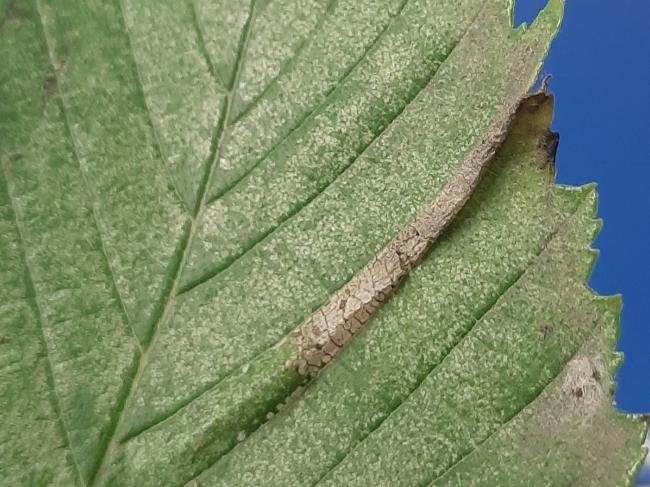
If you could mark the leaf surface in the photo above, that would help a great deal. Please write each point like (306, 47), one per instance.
(186, 185)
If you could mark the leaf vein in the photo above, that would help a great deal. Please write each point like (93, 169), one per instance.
(203, 48)
(290, 62)
(87, 188)
(138, 76)
(40, 318)
(216, 271)
(348, 72)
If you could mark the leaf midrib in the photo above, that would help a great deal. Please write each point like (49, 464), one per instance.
(169, 298)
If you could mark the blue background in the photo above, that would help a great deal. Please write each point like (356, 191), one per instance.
(600, 67)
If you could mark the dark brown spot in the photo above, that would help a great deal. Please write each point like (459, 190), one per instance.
(596, 375)
(49, 86)
(546, 330)
(549, 145)
(49, 83)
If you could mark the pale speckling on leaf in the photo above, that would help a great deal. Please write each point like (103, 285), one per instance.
(280, 242)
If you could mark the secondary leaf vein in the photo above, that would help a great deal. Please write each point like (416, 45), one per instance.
(48, 362)
(348, 72)
(87, 187)
(290, 62)
(203, 48)
(154, 131)
(216, 271)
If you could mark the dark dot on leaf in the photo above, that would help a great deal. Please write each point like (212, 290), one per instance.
(596, 375)
(546, 330)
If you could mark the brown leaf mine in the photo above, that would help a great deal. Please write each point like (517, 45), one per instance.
(330, 328)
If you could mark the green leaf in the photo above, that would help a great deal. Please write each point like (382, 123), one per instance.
(188, 188)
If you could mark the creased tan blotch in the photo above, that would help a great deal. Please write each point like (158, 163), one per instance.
(331, 327)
